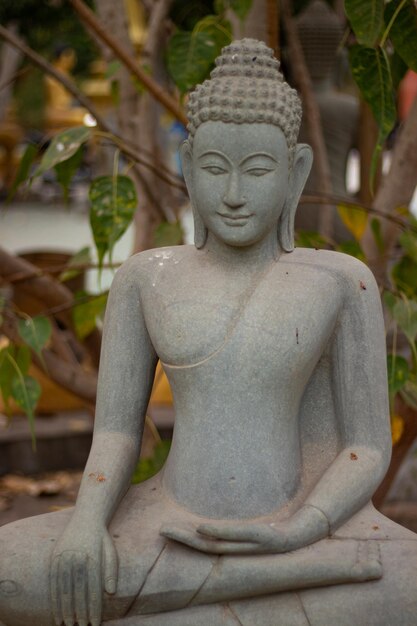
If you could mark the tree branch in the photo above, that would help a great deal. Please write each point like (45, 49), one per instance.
(163, 173)
(88, 17)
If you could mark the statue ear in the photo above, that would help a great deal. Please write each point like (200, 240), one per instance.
(303, 159)
(200, 231)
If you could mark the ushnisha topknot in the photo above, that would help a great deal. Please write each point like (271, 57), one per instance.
(246, 86)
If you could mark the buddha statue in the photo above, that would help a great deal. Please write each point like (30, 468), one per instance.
(60, 112)
(321, 32)
(262, 514)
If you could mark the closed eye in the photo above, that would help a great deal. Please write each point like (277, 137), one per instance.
(216, 170)
(258, 171)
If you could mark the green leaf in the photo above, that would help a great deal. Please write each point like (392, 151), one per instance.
(23, 358)
(405, 314)
(23, 171)
(82, 257)
(398, 373)
(85, 314)
(354, 218)
(35, 332)
(168, 234)
(409, 393)
(372, 73)
(113, 204)
(62, 147)
(366, 18)
(241, 8)
(403, 32)
(66, 170)
(191, 55)
(26, 392)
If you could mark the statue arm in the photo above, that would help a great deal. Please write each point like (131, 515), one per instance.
(85, 551)
(361, 403)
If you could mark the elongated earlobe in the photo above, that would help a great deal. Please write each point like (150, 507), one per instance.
(300, 170)
(200, 231)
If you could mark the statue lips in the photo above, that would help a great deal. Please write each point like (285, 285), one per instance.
(235, 219)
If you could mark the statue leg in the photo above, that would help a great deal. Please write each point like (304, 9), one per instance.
(25, 549)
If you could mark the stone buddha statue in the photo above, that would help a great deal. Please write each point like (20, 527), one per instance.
(276, 359)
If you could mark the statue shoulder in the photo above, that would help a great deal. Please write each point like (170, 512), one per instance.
(141, 267)
(350, 273)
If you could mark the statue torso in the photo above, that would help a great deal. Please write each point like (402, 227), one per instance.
(238, 350)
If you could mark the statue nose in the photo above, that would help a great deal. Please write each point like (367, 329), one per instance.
(233, 197)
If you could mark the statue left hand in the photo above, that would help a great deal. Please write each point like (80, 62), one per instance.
(303, 528)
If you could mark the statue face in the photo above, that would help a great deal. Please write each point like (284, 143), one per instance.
(239, 179)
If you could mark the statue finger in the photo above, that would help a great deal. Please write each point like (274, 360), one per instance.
(226, 547)
(54, 585)
(80, 590)
(95, 598)
(233, 533)
(66, 585)
(110, 565)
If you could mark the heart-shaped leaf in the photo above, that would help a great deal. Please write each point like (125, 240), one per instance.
(366, 18)
(191, 55)
(403, 30)
(372, 73)
(113, 204)
(62, 147)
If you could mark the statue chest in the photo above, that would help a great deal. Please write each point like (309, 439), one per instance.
(281, 326)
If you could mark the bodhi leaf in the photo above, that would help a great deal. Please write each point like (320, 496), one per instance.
(366, 18)
(113, 204)
(85, 314)
(23, 171)
(35, 332)
(401, 19)
(372, 73)
(62, 147)
(26, 392)
(191, 55)
(398, 373)
(354, 218)
(377, 233)
(66, 170)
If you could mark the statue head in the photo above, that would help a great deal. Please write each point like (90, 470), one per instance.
(247, 117)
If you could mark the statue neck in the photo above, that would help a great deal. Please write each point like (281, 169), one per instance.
(254, 257)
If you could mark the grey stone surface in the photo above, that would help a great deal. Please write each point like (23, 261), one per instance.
(276, 359)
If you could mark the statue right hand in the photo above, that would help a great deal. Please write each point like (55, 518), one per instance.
(84, 563)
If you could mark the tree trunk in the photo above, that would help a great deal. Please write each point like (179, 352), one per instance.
(395, 191)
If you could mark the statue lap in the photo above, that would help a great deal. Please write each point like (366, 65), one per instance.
(26, 548)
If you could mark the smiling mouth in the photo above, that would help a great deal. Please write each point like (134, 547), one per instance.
(235, 219)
